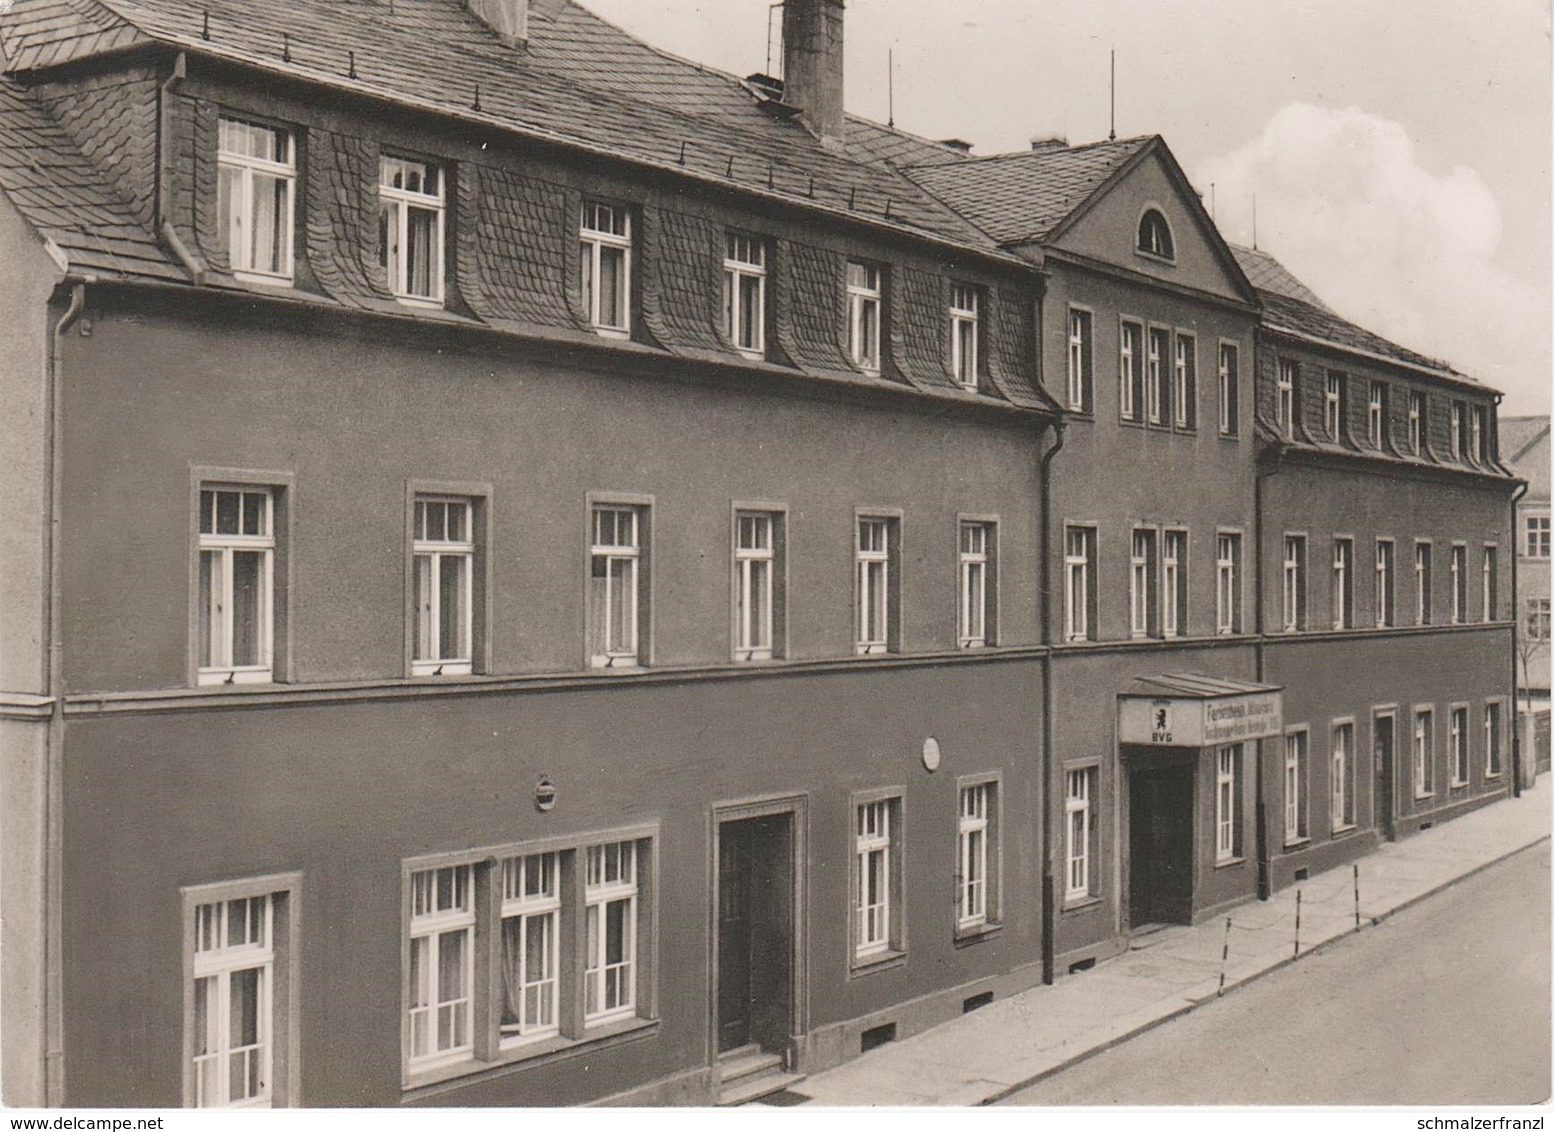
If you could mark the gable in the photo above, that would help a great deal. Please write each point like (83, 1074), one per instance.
(1107, 231)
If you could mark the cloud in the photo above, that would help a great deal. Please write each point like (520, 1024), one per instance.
(1344, 202)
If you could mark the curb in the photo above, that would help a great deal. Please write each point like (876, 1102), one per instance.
(1191, 1005)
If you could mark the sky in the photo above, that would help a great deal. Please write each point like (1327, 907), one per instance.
(1398, 151)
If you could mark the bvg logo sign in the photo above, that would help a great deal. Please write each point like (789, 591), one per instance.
(1161, 731)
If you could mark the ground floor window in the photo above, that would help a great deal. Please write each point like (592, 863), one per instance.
(1459, 746)
(877, 921)
(1424, 753)
(1295, 747)
(977, 861)
(1343, 776)
(1080, 826)
(1494, 759)
(1227, 803)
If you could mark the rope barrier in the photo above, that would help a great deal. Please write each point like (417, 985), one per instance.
(1298, 893)
(1356, 897)
(1224, 959)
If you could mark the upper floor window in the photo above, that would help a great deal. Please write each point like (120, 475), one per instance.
(1478, 446)
(1173, 584)
(1416, 413)
(1385, 584)
(1537, 626)
(757, 584)
(1459, 430)
(255, 188)
(744, 294)
(876, 551)
(1343, 583)
(1130, 371)
(1229, 389)
(605, 265)
(1145, 603)
(1186, 381)
(1459, 584)
(236, 581)
(1489, 583)
(1078, 582)
(616, 609)
(1081, 362)
(1333, 404)
(965, 303)
(410, 227)
(975, 616)
(1377, 416)
(444, 553)
(1294, 612)
(1423, 581)
(1228, 586)
(1155, 235)
(1537, 540)
(1157, 387)
(1285, 409)
(865, 298)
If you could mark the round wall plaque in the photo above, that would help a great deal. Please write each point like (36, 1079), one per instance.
(544, 796)
(931, 753)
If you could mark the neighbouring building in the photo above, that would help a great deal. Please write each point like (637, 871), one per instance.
(539, 573)
(1524, 446)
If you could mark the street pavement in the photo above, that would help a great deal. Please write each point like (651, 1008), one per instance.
(1013, 1043)
(1446, 1004)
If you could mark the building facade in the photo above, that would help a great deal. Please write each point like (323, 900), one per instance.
(590, 579)
(1524, 443)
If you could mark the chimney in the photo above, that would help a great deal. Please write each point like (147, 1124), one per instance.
(812, 65)
(1047, 143)
(508, 18)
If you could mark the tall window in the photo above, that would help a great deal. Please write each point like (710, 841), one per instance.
(233, 1026)
(1459, 424)
(1537, 540)
(1081, 361)
(744, 293)
(1494, 758)
(1343, 776)
(1130, 371)
(1229, 389)
(1478, 440)
(410, 227)
(1144, 599)
(1185, 373)
(605, 263)
(1377, 415)
(256, 180)
(1459, 584)
(876, 553)
(1489, 596)
(530, 917)
(1295, 745)
(1423, 582)
(876, 860)
(444, 552)
(1385, 585)
(1078, 582)
(1333, 404)
(1416, 414)
(1459, 746)
(237, 570)
(1228, 589)
(1157, 387)
(1173, 584)
(610, 932)
(1285, 405)
(1079, 820)
(442, 944)
(1294, 618)
(864, 304)
(976, 861)
(974, 620)
(757, 587)
(1227, 803)
(615, 586)
(1424, 753)
(964, 335)
(1343, 583)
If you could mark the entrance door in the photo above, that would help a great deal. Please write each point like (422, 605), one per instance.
(1386, 774)
(755, 933)
(1160, 840)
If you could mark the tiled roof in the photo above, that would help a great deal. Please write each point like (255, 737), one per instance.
(1019, 198)
(579, 80)
(67, 199)
(1518, 434)
(1268, 274)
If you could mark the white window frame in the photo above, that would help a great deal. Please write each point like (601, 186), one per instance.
(1424, 582)
(1377, 415)
(1130, 363)
(428, 611)
(1494, 738)
(1294, 574)
(1297, 745)
(1227, 803)
(537, 910)
(876, 926)
(865, 294)
(1458, 747)
(1157, 345)
(432, 925)
(595, 235)
(757, 543)
(1227, 589)
(1078, 580)
(1386, 583)
(1173, 582)
(1459, 583)
(1343, 582)
(606, 648)
(1455, 441)
(744, 265)
(1229, 389)
(1081, 359)
(209, 916)
(1536, 537)
(600, 890)
(1080, 874)
(975, 585)
(1478, 434)
(1538, 616)
(1342, 772)
(1424, 752)
(239, 237)
(876, 550)
(1416, 412)
(220, 620)
(396, 204)
(976, 854)
(1489, 581)
(1184, 399)
(1143, 597)
(965, 335)
(1285, 401)
(1333, 404)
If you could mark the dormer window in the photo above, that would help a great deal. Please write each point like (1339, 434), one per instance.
(744, 294)
(865, 295)
(410, 227)
(605, 264)
(964, 306)
(1155, 235)
(254, 190)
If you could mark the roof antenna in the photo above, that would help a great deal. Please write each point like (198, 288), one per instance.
(1211, 202)
(890, 86)
(1113, 135)
(1254, 222)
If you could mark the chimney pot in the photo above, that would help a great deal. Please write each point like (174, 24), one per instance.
(956, 144)
(812, 65)
(1042, 143)
(508, 18)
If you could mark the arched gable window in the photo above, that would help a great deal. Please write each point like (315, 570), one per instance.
(1155, 235)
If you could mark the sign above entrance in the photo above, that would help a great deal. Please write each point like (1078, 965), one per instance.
(1199, 712)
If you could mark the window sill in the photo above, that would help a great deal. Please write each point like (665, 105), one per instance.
(611, 332)
(1463, 785)
(1230, 862)
(218, 676)
(421, 670)
(420, 302)
(264, 280)
(1153, 257)
(975, 933)
(1078, 904)
(1233, 437)
(540, 1052)
(1345, 831)
(1297, 844)
(877, 961)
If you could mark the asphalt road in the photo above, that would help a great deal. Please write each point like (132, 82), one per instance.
(1447, 1002)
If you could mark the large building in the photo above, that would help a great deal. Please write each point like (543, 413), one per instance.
(537, 572)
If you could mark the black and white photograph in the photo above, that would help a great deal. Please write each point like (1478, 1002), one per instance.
(756, 557)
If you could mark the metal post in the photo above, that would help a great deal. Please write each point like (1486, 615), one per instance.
(1356, 897)
(1298, 893)
(1224, 958)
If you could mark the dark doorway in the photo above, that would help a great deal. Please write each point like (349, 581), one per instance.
(1160, 841)
(755, 933)
(1386, 775)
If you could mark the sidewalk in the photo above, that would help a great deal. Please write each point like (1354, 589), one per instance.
(982, 1057)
